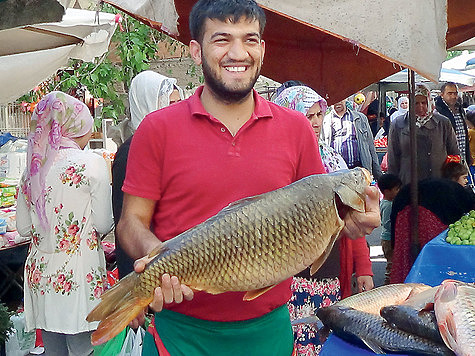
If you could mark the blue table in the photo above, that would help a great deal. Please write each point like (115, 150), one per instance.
(438, 260)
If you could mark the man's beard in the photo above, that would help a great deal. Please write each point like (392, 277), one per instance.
(226, 94)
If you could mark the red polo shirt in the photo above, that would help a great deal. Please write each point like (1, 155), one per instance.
(189, 162)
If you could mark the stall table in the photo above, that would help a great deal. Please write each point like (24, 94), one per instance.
(437, 261)
(12, 260)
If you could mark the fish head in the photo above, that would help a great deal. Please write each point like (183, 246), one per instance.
(331, 315)
(351, 188)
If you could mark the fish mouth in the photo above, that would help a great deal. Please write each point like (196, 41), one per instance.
(367, 175)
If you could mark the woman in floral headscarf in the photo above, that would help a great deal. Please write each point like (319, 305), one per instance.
(333, 280)
(64, 204)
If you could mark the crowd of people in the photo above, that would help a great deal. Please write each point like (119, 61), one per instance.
(180, 161)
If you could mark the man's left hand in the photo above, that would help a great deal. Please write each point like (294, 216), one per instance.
(361, 224)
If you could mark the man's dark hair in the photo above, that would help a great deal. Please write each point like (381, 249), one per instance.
(222, 10)
(453, 170)
(388, 181)
(448, 84)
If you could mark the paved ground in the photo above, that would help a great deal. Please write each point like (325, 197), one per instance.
(377, 258)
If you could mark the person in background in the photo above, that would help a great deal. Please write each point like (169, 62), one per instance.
(349, 134)
(64, 203)
(455, 171)
(285, 85)
(402, 108)
(447, 104)
(389, 185)
(333, 280)
(441, 203)
(470, 120)
(222, 144)
(149, 91)
(435, 140)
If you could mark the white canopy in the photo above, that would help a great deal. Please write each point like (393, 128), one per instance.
(410, 33)
(446, 75)
(467, 45)
(31, 54)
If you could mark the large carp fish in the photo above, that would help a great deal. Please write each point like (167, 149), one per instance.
(249, 246)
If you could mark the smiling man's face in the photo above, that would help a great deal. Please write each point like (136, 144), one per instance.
(231, 57)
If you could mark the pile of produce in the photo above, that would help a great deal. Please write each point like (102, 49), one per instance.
(462, 232)
(408, 318)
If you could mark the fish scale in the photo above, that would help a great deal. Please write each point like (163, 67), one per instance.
(280, 250)
(372, 330)
(249, 246)
(454, 306)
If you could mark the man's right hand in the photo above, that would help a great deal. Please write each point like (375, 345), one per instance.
(170, 291)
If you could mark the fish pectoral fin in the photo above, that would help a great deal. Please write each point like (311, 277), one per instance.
(350, 198)
(373, 347)
(444, 330)
(253, 294)
(320, 260)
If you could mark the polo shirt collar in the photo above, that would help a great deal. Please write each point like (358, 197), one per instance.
(261, 107)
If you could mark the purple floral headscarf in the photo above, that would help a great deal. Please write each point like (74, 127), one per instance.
(58, 119)
(300, 98)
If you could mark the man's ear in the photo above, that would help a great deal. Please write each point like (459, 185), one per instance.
(195, 51)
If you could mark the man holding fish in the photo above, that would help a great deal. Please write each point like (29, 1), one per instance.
(192, 159)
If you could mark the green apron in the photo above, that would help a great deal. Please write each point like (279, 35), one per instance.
(270, 335)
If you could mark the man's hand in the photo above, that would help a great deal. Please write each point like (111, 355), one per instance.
(170, 291)
(364, 283)
(360, 224)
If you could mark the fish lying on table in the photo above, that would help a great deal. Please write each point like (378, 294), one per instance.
(250, 246)
(373, 300)
(378, 335)
(454, 306)
(418, 322)
(415, 315)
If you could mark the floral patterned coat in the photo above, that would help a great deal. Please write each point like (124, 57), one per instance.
(65, 271)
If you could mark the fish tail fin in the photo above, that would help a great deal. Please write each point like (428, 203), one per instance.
(118, 307)
(119, 319)
(114, 297)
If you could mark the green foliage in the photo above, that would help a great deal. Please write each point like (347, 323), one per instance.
(101, 80)
(5, 323)
(136, 47)
(452, 54)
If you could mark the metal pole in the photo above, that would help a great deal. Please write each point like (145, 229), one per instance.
(414, 177)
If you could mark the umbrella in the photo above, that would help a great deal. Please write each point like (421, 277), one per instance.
(31, 54)
(339, 47)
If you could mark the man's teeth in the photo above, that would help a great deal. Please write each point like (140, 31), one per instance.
(236, 69)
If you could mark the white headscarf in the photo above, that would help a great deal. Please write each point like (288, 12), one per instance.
(423, 90)
(400, 111)
(149, 91)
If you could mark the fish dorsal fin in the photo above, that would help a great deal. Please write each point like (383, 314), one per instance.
(320, 260)
(239, 203)
(373, 346)
(350, 198)
(253, 294)
(155, 251)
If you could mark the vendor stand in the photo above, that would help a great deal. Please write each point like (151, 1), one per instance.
(437, 261)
